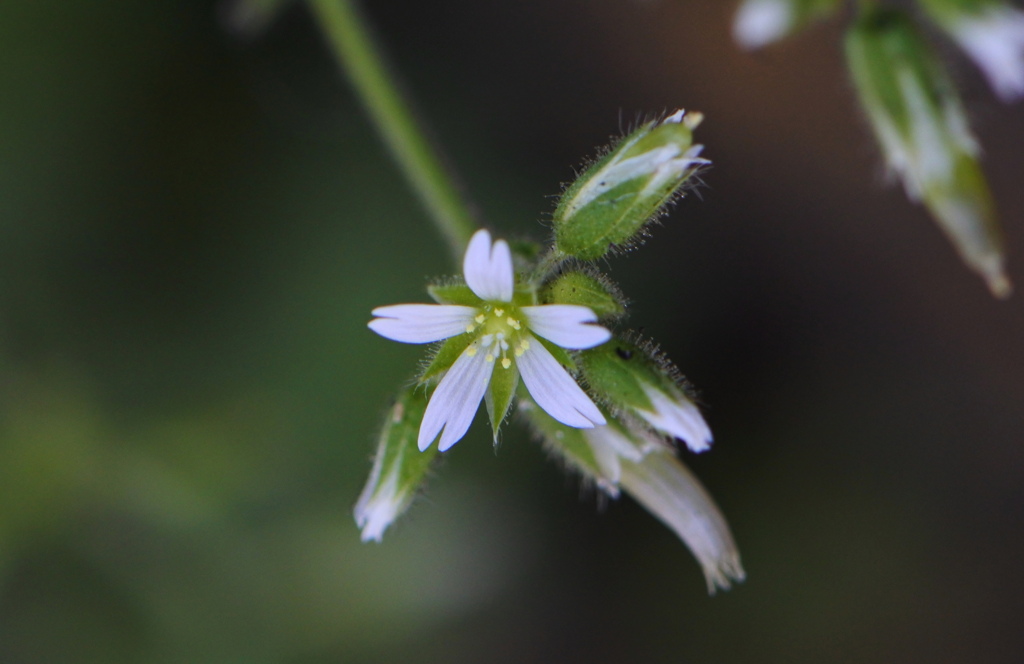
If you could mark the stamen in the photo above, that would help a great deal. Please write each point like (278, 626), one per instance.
(505, 363)
(499, 312)
(471, 351)
(513, 323)
(489, 357)
(480, 318)
(470, 328)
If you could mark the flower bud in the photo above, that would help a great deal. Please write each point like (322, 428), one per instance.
(919, 122)
(640, 382)
(762, 22)
(631, 185)
(399, 468)
(585, 288)
(991, 32)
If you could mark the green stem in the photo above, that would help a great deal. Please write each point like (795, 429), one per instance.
(357, 56)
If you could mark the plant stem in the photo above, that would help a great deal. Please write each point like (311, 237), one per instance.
(361, 61)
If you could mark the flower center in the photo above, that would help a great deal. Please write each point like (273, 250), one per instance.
(500, 328)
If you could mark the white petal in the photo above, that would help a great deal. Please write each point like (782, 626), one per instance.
(554, 390)
(995, 40)
(678, 418)
(455, 400)
(488, 268)
(566, 325)
(421, 323)
(761, 22)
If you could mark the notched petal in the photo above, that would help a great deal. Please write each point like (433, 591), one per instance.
(420, 323)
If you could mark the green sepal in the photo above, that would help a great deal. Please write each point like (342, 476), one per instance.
(614, 371)
(498, 397)
(445, 356)
(399, 468)
(453, 292)
(587, 290)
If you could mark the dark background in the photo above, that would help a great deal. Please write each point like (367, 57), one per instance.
(194, 228)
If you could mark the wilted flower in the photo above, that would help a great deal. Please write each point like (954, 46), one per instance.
(399, 468)
(762, 22)
(490, 327)
(616, 456)
(637, 381)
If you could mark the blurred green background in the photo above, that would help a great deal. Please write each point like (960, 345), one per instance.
(194, 228)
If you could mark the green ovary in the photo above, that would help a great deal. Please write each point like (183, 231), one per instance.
(499, 329)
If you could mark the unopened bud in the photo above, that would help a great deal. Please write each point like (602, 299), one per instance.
(587, 289)
(631, 185)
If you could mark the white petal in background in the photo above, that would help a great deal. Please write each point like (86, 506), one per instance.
(995, 41)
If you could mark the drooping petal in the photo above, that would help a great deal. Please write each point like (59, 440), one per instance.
(455, 400)
(678, 418)
(421, 323)
(554, 390)
(663, 485)
(567, 325)
(488, 268)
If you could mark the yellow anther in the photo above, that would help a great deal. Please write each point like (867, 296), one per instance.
(524, 344)
(505, 363)
(499, 312)
(480, 318)
(513, 323)
(471, 351)
(470, 328)
(489, 357)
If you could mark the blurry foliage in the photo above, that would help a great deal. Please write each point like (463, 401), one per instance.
(193, 233)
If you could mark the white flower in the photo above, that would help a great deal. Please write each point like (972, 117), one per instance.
(504, 335)
(994, 39)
